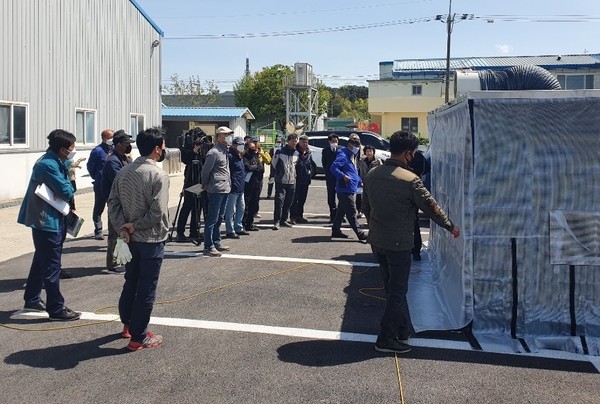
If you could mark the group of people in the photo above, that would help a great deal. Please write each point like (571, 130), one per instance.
(137, 201)
(231, 175)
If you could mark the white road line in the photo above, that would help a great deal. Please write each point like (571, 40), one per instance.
(277, 259)
(314, 334)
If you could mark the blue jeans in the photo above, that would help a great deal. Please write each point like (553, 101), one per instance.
(234, 213)
(214, 218)
(139, 291)
(45, 269)
(394, 267)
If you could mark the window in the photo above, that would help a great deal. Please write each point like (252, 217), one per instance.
(85, 126)
(410, 125)
(13, 124)
(576, 81)
(417, 90)
(369, 140)
(137, 124)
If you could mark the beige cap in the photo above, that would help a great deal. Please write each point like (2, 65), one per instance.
(223, 130)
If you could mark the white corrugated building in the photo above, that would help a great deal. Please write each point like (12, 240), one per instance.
(79, 65)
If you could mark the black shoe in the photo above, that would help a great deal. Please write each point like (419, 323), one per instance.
(362, 236)
(221, 247)
(243, 233)
(65, 274)
(252, 228)
(393, 345)
(66, 315)
(117, 270)
(301, 220)
(338, 234)
(38, 306)
(181, 239)
(285, 223)
(232, 235)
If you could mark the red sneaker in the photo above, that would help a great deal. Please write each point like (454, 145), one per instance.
(125, 333)
(151, 341)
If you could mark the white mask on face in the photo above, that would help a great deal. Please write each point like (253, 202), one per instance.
(229, 139)
(240, 148)
(333, 146)
(71, 155)
(355, 150)
(109, 142)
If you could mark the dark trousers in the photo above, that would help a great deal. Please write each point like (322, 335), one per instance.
(417, 239)
(45, 269)
(99, 204)
(139, 291)
(190, 206)
(347, 207)
(394, 267)
(300, 195)
(330, 182)
(358, 202)
(251, 197)
(284, 196)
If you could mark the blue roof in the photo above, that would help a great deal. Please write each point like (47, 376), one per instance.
(478, 63)
(147, 17)
(206, 112)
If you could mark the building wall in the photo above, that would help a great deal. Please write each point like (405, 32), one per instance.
(60, 56)
(390, 101)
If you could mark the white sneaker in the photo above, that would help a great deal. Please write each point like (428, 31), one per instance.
(257, 216)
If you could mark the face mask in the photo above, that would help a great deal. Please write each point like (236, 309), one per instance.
(128, 149)
(71, 155)
(355, 150)
(229, 139)
(251, 152)
(277, 146)
(240, 148)
(163, 155)
(109, 142)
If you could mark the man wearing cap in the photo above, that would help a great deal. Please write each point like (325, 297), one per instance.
(304, 167)
(117, 159)
(327, 158)
(234, 208)
(94, 166)
(217, 182)
(344, 169)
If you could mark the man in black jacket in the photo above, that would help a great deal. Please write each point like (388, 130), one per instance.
(191, 157)
(327, 158)
(303, 179)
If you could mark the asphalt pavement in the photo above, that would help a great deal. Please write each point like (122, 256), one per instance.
(286, 316)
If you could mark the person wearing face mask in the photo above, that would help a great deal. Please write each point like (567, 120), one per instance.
(217, 182)
(48, 226)
(254, 173)
(138, 206)
(272, 151)
(327, 157)
(94, 166)
(234, 207)
(117, 159)
(344, 169)
(392, 196)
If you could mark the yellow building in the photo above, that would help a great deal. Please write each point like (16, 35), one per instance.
(408, 89)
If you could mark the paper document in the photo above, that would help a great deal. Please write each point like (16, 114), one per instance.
(195, 189)
(73, 223)
(47, 194)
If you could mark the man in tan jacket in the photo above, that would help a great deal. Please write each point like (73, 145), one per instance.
(392, 195)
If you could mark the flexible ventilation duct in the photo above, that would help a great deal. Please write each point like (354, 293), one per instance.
(525, 77)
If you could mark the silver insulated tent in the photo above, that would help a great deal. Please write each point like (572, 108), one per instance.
(519, 172)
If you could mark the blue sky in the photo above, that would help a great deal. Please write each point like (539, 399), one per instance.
(354, 35)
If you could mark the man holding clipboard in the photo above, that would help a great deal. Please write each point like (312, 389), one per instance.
(48, 226)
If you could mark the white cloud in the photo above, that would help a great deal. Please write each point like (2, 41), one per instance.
(504, 48)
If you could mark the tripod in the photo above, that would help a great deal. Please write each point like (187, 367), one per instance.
(195, 209)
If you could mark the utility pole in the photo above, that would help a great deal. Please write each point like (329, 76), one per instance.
(449, 20)
(449, 26)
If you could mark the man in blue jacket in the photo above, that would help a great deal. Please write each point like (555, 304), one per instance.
(48, 226)
(95, 165)
(116, 160)
(348, 183)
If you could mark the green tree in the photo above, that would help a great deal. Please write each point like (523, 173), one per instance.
(192, 91)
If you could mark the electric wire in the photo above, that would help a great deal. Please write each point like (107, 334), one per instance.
(400, 388)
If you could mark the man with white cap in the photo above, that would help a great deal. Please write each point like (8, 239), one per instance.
(217, 182)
